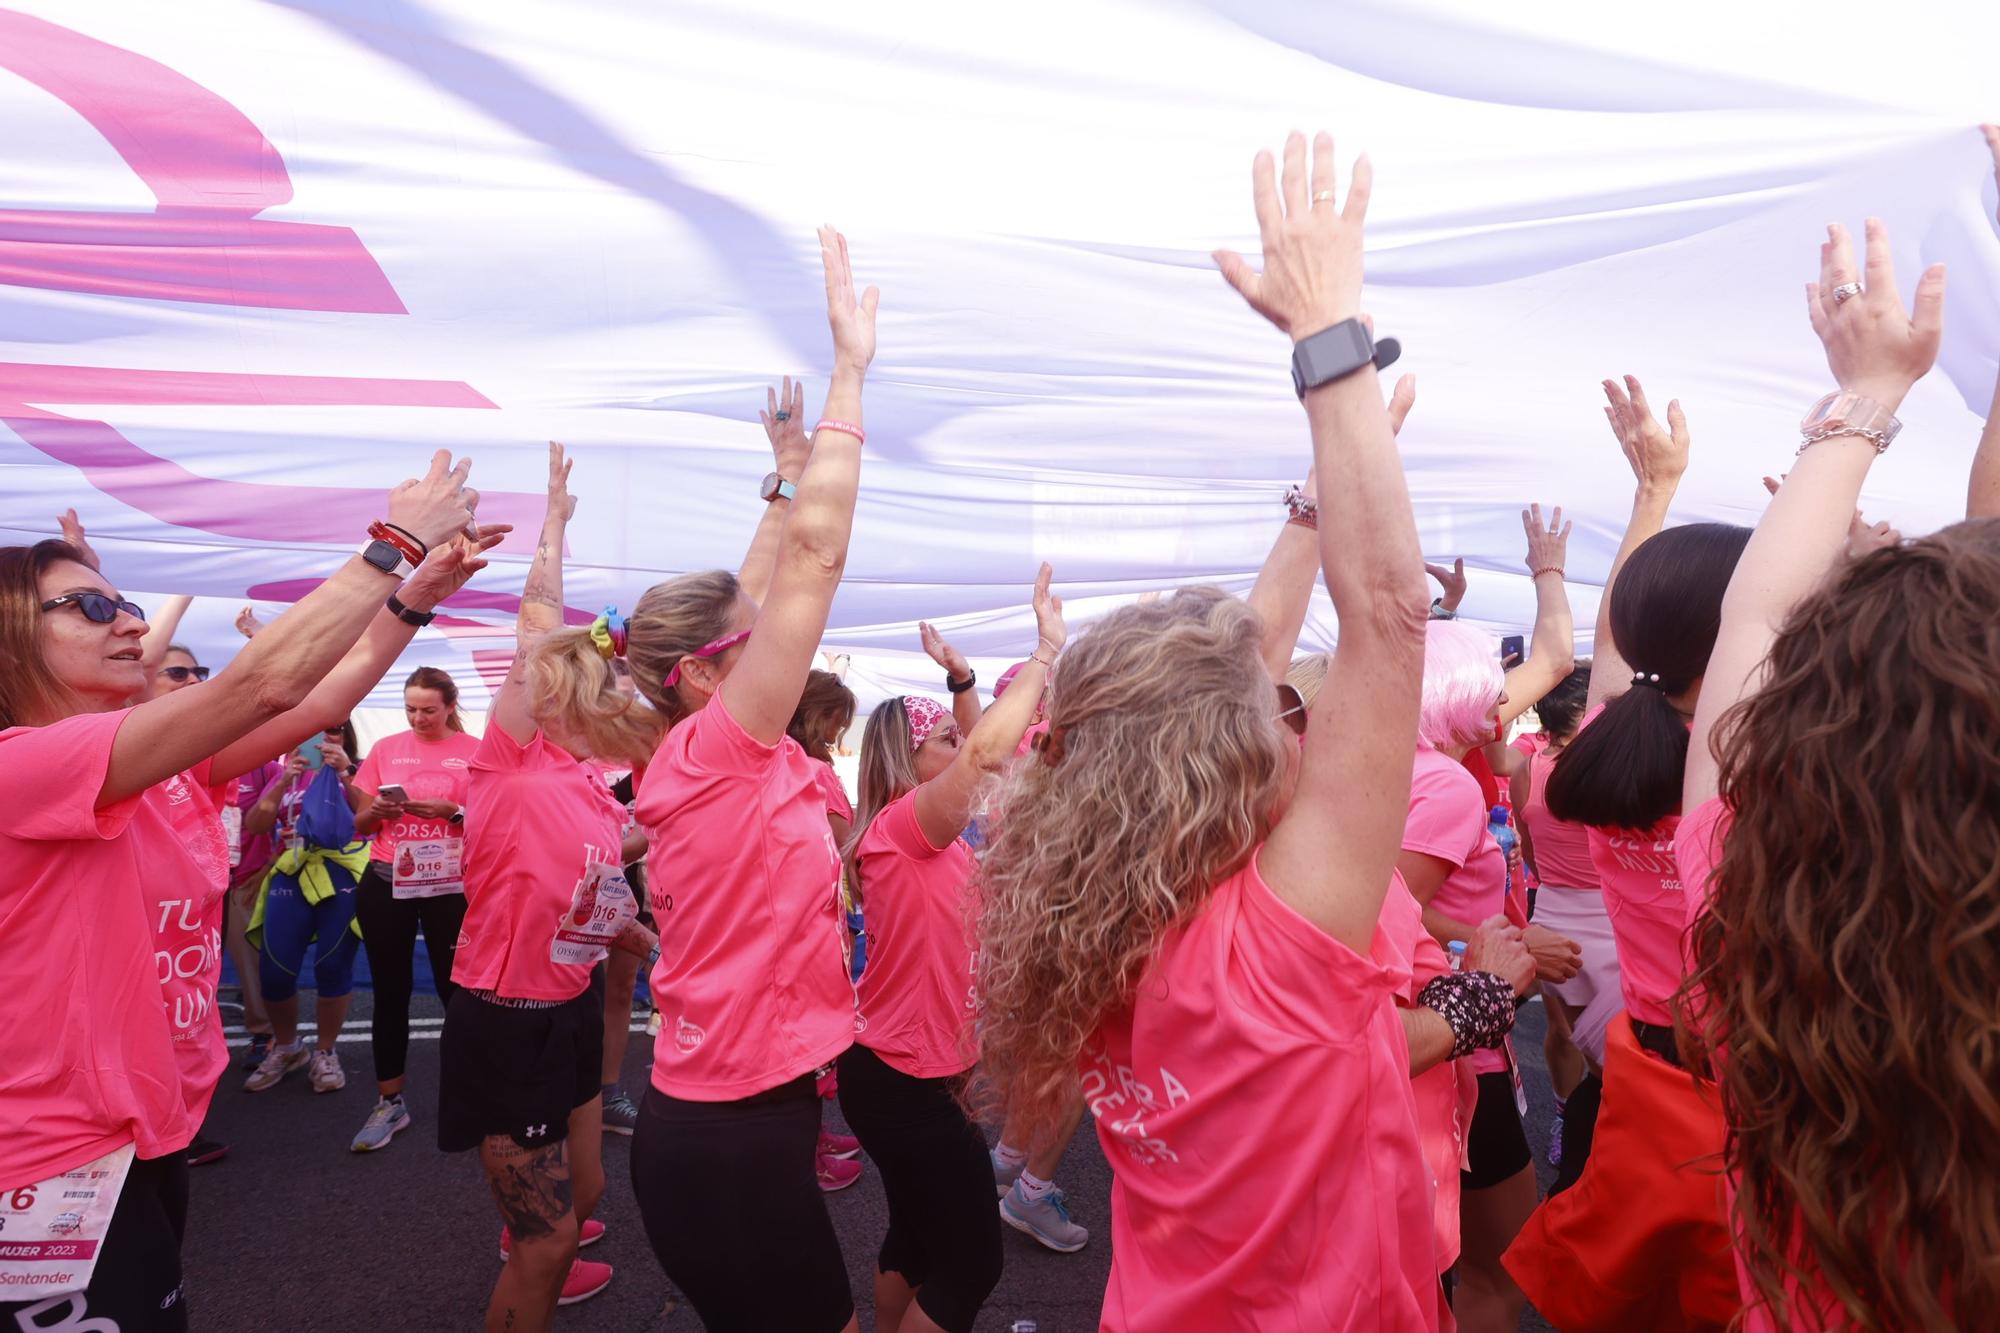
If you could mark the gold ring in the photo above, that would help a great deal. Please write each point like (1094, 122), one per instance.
(1322, 196)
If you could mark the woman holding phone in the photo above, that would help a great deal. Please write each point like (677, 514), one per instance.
(410, 796)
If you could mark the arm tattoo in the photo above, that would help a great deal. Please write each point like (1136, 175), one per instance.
(531, 1185)
(537, 591)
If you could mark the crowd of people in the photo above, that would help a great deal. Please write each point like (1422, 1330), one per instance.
(1266, 919)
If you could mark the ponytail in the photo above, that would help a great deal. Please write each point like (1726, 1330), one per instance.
(571, 684)
(1624, 769)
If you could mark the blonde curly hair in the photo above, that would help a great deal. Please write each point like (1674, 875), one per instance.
(1161, 773)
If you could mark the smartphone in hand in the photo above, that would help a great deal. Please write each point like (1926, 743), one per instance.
(1513, 651)
(393, 791)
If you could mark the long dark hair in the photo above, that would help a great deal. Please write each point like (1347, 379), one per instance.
(436, 678)
(1625, 769)
(825, 702)
(1849, 961)
(30, 693)
(1560, 711)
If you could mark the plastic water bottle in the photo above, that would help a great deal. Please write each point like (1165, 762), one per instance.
(1457, 948)
(1502, 829)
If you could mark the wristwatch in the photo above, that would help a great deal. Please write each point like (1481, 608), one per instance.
(961, 686)
(406, 615)
(388, 559)
(1845, 413)
(776, 487)
(1439, 611)
(1326, 356)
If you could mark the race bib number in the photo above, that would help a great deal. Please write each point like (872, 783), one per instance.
(599, 910)
(232, 828)
(428, 869)
(52, 1232)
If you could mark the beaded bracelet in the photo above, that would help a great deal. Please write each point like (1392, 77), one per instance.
(1556, 570)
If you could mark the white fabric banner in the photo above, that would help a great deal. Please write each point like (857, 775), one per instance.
(257, 260)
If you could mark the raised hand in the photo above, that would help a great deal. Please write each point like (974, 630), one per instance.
(1872, 346)
(247, 623)
(953, 661)
(439, 505)
(1312, 250)
(1451, 580)
(1547, 544)
(1049, 614)
(1658, 454)
(562, 504)
(72, 532)
(785, 428)
(450, 567)
(1401, 400)
(853, 320)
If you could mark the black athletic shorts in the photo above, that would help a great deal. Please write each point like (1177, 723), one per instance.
(944, 1231)
(733, 1209)
(136, 1286)
(518, 1071)
(1497, 1147)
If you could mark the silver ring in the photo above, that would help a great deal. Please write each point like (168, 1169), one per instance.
(1845, 291)
(783, 415)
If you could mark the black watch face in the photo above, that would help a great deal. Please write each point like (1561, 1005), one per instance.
(383, 556)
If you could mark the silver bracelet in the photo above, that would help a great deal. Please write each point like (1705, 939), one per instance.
(1301, 510)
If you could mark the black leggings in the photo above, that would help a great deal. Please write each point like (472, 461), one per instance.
(389, 933)
(733, 1208)
(136, 1287)
(944, 1231)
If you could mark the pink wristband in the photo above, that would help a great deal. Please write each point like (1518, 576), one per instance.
(844, 427)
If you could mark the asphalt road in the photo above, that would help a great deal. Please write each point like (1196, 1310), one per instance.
(292, 1231)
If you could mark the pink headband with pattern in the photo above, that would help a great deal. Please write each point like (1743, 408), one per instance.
(925, 716)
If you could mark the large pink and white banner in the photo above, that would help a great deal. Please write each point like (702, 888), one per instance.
(258, 260)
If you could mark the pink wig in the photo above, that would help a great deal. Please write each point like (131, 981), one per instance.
(1462, 678)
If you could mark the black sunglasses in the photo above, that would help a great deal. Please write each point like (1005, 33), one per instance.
(179, 674)
(96, 607)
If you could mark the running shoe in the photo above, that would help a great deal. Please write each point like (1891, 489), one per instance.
(385, 1122)
(1004, 1175)
(1046, 1219)
(589, 1233)
(585, 1280)
(260, 1046)
(621, 1115)
(327, 1075)
(276, 1064)
(205, 1150)
(838, 1145)
(837, 1174)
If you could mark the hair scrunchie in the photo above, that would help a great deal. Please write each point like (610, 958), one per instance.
(608, 633)
(1479, 1006)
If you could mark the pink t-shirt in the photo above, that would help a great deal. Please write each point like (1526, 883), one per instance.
(1562, 849)
(916, 994)
(428, 771)
(745, 883)
(835, 794)
(1448, 1091)
(536, 820)
(1256, 1109)
(111, 1034)
(254, 850)
(1448, 821)
(1641, 879)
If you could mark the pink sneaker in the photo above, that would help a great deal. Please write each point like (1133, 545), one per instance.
(585, 1280)
(838, 1145)
(837, 1174)
(590, 1233)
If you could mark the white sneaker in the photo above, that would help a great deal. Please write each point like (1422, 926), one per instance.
(278, 1062)
(327, 1075)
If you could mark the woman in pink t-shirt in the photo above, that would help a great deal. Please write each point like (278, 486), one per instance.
(114, 865)
(900, 1082)
(744, 878)
(546, 902)
(409, 797)
(1621, 778)
(1843, 834)
(1456, 871)
(1183, 901)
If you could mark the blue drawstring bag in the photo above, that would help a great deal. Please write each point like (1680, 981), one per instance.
(325, 820)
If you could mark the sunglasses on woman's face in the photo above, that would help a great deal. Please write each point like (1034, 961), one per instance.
(177, 674)
(96, 607)
(1292, 709)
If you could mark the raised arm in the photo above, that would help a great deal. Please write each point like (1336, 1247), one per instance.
(1658, 457)
(262, 817)
(763, 690)
(276, 671)
(1331, 855)
(541, 601)
(944, 804)
(1552, 651)
(1983, 494)
(1877, 351)
(965, 706)
(784, 426)
(344, 688)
